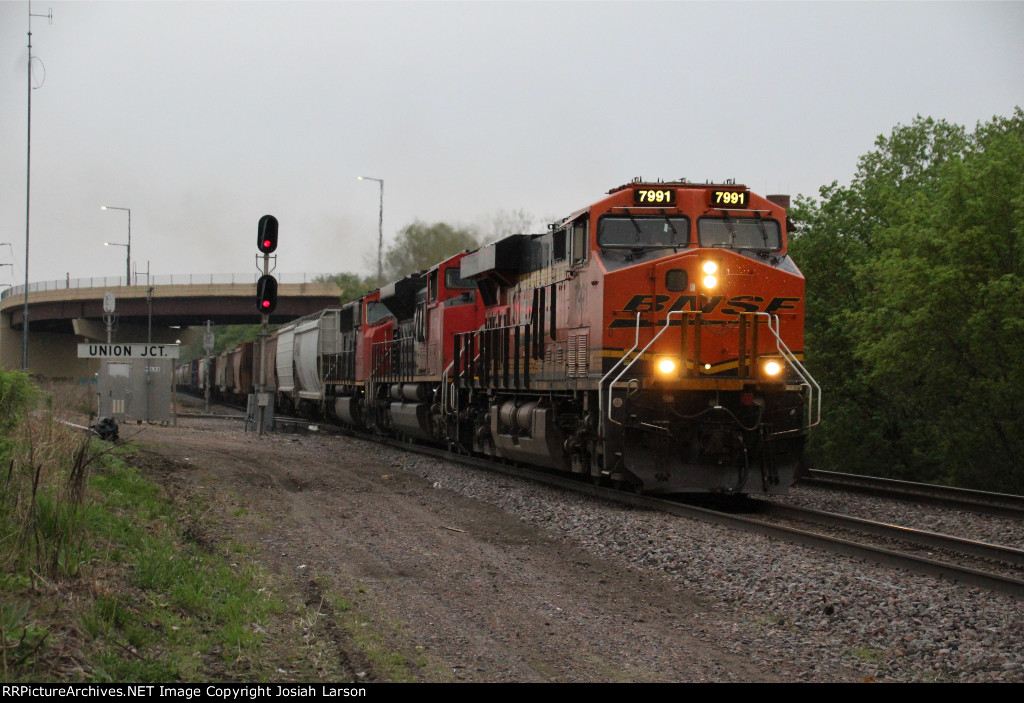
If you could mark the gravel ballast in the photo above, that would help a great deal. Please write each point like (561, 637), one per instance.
(792, 608)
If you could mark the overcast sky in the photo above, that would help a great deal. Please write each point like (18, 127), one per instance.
(203, 116)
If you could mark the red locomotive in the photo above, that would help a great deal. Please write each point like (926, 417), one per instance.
(398, 343)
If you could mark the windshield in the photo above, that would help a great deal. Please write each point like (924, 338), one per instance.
(453, 281)
(377, 311)
(631, 232)
(739, 233)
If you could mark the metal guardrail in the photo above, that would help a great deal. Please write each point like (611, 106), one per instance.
(176, 279)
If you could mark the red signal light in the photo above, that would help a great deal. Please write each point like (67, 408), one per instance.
(266, 239)
(266, 294)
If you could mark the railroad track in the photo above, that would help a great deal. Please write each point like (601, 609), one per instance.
(967, 562)
(1001, 504)
(972, 562)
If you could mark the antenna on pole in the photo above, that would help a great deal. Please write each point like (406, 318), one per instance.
(28, 183)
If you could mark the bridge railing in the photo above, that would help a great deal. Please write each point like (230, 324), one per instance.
(175, 279)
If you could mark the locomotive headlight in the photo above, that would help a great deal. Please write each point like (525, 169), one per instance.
(772, 368)
(710, 268)
(666, 365)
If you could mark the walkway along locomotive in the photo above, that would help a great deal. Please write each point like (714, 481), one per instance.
(653, 339)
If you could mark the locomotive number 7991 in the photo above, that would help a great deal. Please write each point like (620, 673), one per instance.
(654, 196)
(730, 198)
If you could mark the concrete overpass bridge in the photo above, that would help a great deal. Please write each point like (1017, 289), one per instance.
(61, 314)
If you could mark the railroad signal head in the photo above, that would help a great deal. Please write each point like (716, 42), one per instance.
(266, 236)
(266, 294)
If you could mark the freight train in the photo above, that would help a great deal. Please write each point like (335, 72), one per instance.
(653, 340)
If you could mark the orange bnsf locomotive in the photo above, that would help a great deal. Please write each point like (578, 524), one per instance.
(653, 339)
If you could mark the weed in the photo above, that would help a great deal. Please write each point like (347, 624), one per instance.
(385, 645)
(869, 654)
(74, 514)
(19, 640)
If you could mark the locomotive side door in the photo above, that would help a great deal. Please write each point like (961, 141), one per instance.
(578, 293)
(579, 283)
(428, 328)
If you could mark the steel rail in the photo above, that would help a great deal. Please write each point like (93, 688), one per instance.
(922, 538)
(1003, 504)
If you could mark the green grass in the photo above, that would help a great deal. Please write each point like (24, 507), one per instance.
(93, 560)
(869, 655)
(383, 644)
(190, 601)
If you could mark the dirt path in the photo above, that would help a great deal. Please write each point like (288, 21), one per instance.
(406, 580)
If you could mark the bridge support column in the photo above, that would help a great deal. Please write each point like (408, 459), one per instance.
(10, 343)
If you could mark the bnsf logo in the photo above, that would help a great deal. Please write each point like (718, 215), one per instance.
(706, 304)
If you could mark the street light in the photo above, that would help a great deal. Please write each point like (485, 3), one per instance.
(28, 184)
(116, 244)
(380, 229)
(128, 257)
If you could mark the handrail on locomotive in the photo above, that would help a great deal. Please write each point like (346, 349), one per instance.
(813, 415)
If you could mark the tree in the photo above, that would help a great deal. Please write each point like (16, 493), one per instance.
(225, 337)
(504, 223)
(834, 243)
(351, 285)
(419, 246)
(915, 290)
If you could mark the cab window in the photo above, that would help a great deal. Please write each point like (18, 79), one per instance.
(579, 242)
(739, 233)
(618, 232)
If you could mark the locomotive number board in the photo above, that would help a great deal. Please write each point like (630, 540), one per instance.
(730, 198)
(654, 196)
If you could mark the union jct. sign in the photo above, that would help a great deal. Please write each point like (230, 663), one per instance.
(127, 351)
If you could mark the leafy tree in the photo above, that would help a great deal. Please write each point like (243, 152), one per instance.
(225, 337)
(915, 289)
(419, 246)
(352, 286)
(836, 241)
